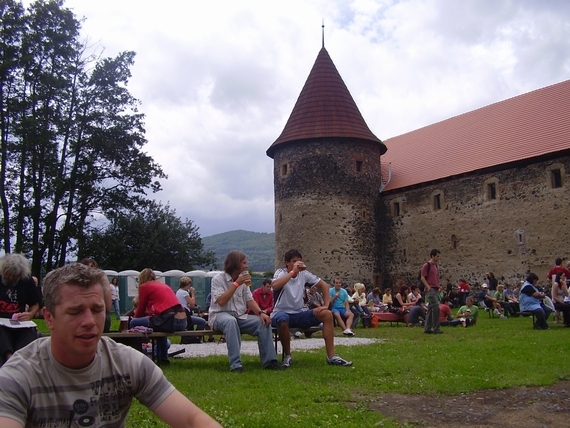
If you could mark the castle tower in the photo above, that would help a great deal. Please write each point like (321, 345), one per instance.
(327, 180)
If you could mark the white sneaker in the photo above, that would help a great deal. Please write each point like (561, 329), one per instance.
(298, 334)
(497, 312)
(287, 361)
(502, 316)
(335, 360)
(348, 332)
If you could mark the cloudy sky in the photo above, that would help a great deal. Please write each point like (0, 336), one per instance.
(218, 79)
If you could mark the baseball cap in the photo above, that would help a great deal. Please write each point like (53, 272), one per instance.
(485, 286)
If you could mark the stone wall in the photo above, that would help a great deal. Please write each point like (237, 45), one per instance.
(524, 228)
(325, 192)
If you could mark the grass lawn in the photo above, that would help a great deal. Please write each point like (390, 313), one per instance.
(497, 353)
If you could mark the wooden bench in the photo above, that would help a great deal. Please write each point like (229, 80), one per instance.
(388, 317)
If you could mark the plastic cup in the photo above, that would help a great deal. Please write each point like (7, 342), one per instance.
(124, 326)
(247, 281)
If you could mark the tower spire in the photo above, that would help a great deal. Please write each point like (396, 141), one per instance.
(323, 26)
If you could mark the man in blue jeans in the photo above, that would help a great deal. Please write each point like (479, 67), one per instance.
(430, 280)
(231, 298)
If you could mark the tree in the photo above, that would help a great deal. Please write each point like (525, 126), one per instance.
(72, 137)
(153, 237)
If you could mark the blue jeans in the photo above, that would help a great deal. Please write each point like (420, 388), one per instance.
(117, 308)
(161, 342)
(233, 328)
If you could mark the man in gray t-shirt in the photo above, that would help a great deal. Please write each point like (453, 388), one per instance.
(289, 285)
(75, 377)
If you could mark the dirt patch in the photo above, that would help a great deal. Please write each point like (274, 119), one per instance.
(521, 407)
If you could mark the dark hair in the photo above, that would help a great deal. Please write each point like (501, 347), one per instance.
(89, 262)
(532, 277)
(233, 261)
(444, 299)
(266, 281)
(558, 276)
(414, 287)
(292, 253)
(434, 252)
(403, 289)
(558, 261)
(420, 301)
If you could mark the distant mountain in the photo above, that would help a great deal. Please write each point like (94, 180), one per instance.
(259, 247)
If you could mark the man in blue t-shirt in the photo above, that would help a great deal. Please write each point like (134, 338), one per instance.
(341, 307)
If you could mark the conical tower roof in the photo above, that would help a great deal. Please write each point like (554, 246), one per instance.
(324, 109)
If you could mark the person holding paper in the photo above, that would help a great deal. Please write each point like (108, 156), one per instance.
(17, 290)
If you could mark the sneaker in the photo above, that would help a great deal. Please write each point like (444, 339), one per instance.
(298, 334)
(502, 316)
(348, 332)
(497, 312)
(274, 365)
(287, 361)
(335, 360)
(238, 370)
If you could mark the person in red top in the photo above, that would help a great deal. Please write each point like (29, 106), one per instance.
(556, 269)
(264, 296)
(445, 317)
(165, 313)
(464, 290)
(430, 280)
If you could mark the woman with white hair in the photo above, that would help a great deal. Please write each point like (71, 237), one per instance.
(19, 301)
(360, 303)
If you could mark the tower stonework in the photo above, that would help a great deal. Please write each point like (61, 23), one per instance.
(327, 180)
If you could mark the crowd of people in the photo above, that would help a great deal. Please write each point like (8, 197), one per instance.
(76, 301)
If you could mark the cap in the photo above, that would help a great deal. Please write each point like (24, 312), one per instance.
(484, 286)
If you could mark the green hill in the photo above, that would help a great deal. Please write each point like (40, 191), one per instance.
(259, 247)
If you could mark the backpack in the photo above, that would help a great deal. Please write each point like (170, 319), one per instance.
(420, 274)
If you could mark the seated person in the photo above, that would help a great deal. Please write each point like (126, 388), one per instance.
(19, 301)
(387, 298)
(264, 296)
(375, 301)
(445, 317)
(502, 299)
(511, 298)
(531, 300)
(401, 304)
(467, 314)
(488, 302)
(187, 298)
(414, 294)
(417, 315)
(231, 298)
(340, 307)
(359, 303)
(560, 297)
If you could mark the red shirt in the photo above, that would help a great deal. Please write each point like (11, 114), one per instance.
(265, 301)
(463, 287)
(444, 312)
(552, 272)
(155, 297)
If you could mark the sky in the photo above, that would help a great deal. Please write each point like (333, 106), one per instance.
(218, 80)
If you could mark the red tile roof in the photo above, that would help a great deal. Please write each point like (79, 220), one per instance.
(324, 109)
(523, 127)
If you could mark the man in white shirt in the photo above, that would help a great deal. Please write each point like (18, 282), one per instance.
(289, 284)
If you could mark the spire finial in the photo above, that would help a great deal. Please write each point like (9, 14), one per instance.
(323, 32)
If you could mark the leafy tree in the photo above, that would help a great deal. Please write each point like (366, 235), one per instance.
(72, 137)
(151, 238)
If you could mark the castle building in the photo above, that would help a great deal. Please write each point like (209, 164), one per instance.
(488, 188)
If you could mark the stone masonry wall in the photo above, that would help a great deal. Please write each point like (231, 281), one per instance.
(324, 206)
(524, 229)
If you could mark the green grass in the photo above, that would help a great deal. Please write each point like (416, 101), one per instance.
(496, 353)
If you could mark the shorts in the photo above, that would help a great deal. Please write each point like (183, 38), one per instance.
(303, 319)
(341, 311)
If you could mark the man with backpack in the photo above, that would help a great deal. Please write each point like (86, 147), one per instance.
(430, 280)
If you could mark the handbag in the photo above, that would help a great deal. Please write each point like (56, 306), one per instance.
(163, 322)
